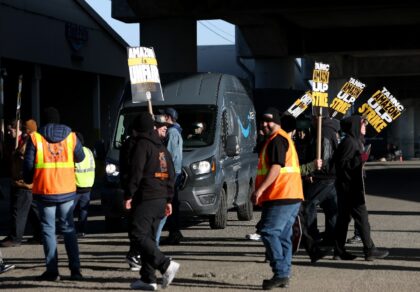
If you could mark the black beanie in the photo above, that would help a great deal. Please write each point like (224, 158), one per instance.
(271, 114)
(51, 116)
(143, 122)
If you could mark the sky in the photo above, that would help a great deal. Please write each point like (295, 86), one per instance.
(209, 32)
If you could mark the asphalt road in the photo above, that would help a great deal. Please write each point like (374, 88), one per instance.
(222, 260)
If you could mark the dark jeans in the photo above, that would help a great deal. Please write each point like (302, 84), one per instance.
(82, 202)
(321, 193)
(346, 210)
(145, 219)
(22, 208)
(173, 221)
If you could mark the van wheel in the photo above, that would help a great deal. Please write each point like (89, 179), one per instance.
(246, 211)
(219, 220)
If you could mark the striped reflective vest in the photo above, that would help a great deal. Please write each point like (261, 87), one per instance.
(288, 184)
(85, 170)
(54, 166)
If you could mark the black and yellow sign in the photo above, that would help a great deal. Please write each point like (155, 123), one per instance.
(144, 74)
(320, 79)
(381, 109)
(348, 94)
(300, 105)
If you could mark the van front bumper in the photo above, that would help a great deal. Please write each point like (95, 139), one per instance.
(199, 200)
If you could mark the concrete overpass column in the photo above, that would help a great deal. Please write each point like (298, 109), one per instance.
(174, 41)
(97, 108)
(403, 131)
(35, 95)
(275, 73)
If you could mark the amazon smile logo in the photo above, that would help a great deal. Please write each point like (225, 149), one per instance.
(246, 130)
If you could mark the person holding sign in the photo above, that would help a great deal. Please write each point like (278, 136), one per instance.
(278, 189)
(350, 158)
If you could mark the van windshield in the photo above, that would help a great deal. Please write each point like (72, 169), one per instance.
(198, 123)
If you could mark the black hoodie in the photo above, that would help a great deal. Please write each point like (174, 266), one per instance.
(349, 166)
(151, 170)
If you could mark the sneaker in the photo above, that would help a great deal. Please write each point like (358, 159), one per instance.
(174, 238)
(5, 267)
(274, 282)
(253, 236)
(76, 276)
(169, 274)
(134, 262)
(140, 285)
(375, 253)
(48, 276)
(8, 242)
(354, 239)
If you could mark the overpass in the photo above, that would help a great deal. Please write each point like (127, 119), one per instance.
(375, 42)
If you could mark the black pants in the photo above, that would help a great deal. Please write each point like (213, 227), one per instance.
(346, 210)
(321, 193)
(145, 219)
(23, 209)
(173, 221)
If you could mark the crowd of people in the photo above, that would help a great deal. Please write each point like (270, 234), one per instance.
(52, 173)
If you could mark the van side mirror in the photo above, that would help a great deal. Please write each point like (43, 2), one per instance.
(232, 145)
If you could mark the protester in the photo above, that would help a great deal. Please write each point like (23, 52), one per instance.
(49, 165)
(350, 158)
(85, 178)
(278, 189)
(22, 207)
(320, 189)
(174, 143)
(150, 190)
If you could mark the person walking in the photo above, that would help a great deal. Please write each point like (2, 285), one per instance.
(350, 158)
(22, 207)
(148, 197)
(278, 189)
(174, 143)
(49, 165)
(85, 178)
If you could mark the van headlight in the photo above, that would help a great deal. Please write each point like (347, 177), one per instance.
(111, 169)
(203, 166)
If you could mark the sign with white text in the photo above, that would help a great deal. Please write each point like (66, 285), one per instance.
(300, 105)
(320, 79)
(348, 94)
(381, 109)
(144, 75)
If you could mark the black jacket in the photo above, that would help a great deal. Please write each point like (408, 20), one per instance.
(349, 166)
(152, 172)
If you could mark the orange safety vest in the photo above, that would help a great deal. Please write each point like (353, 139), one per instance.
(54, 166)
(288, 184)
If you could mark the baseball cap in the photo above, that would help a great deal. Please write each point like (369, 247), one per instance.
(160, 120)
(170, 111)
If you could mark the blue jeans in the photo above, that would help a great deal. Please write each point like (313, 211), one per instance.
(276, 233)
(83, 199)
(47, 213)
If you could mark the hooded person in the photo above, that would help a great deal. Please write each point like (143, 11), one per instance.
(49, 164)
(148, 198)
(350, 158)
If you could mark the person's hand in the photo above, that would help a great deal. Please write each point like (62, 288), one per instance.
(255, 196)
(318, 163)
(364, 156)
(168, 209)
(127, 204)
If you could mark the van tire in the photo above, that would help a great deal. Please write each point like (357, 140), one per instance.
(219, 220)
(246, 211)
